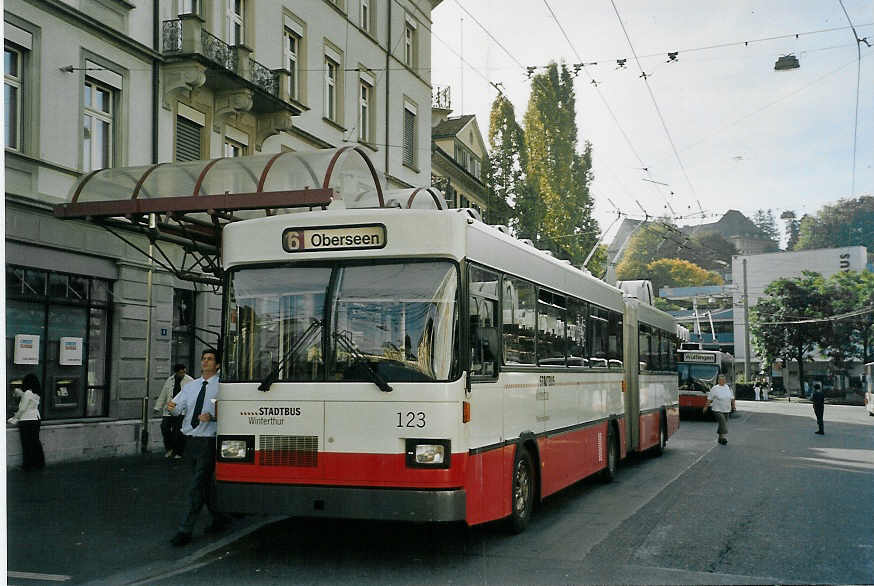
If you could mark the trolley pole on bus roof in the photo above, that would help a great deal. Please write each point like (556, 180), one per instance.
(746, 327)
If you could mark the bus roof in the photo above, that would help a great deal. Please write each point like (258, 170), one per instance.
(408, 233)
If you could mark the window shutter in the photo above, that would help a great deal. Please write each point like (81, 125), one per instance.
(187, 140)
(409, 136)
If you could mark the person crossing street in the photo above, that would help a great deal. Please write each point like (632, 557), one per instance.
(196, 403)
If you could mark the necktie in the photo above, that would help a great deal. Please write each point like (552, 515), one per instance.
(198, 406)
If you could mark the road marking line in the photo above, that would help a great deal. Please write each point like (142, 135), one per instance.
(37, 576)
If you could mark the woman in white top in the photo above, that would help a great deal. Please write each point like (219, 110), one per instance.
(27, 419)
(720, 399)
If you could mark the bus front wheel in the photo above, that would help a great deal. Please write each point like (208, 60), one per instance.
(522, 491)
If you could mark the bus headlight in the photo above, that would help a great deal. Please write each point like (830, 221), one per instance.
(428, 453)
(239, 448)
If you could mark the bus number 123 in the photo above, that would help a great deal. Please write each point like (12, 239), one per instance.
(413, 419)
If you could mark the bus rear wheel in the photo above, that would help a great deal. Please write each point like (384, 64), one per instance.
(608, 474)
(659, 448)
(522, 491)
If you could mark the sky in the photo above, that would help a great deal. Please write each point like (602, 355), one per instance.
(716, 129)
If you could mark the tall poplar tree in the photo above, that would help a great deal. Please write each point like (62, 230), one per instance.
(557, 212)
(505, 169)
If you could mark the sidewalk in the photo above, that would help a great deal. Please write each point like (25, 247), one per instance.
(104, 521)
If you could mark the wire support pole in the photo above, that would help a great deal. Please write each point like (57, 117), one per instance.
(144, 433)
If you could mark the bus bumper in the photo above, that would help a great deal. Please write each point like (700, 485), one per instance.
(390, 504)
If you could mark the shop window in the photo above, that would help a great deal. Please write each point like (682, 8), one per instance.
(57, 328)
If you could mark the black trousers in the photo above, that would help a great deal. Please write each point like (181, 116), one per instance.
(32, 455)
(818, 410)
(200, 455)
(171, 431)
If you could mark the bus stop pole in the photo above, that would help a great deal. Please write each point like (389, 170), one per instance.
(144, 434)
(746, 327)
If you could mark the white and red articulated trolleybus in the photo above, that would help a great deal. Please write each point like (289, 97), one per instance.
(385, 358)
(418, 364)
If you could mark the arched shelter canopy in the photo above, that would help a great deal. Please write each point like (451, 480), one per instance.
(188, 203)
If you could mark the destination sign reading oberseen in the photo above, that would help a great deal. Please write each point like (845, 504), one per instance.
(699, 357)
(334, 238)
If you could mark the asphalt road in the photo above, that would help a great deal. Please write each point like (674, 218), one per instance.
(778, 504)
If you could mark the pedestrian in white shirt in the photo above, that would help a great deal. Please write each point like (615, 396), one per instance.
(720, 399)
(758, 391)
(196, 403)
(27, 418)
(171, 425)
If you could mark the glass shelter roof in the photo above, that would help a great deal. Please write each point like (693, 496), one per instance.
(188, 203)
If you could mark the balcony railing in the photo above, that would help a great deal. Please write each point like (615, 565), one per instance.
(179, 36)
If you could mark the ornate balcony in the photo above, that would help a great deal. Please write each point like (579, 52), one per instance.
(197, 58)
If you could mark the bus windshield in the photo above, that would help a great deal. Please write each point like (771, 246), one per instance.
(697, 377)
(330, 323)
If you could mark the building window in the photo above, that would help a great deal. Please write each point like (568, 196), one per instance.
(187, 139)
(292, 53)
(189, 7)
(409, 45)
(182, 347)
(364, 118)
(12, 97)
(236, 22)
(97, 126)
(234, 148)
(365, 15)
(331, 68)
(409, 153)
(66, 317)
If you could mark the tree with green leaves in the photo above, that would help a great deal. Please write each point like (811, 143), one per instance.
(505, 168)
(674, 272)
(658, 240)
(784, 322)
(557, 211)
(767, 223)
(849, 222)
(793, 227)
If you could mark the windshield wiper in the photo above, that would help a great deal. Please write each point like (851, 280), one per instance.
(304, 338)
(359, 358)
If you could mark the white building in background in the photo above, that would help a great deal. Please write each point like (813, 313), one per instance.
(763, 269)
(91, 84)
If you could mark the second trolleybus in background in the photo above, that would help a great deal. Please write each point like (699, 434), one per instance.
(697, 371)
(420, 365)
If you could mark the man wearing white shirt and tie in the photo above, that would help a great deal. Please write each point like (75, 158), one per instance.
(196, 402)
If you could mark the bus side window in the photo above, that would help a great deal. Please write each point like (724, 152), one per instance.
(483, 322)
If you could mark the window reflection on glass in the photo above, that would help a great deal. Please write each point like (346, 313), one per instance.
(398, 318)
(518, 306)
(550, 328)
(483, 308)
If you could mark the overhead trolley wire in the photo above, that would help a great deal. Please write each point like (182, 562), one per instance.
(858, 80)
(652, 96)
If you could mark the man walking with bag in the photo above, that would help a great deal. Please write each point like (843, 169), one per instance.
(196, 403)
(721, 400)
(171, 425)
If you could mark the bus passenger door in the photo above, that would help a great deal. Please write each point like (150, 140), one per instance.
(632, 376)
